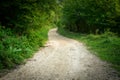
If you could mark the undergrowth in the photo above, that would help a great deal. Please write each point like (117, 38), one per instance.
(106, 46)
(14, 48)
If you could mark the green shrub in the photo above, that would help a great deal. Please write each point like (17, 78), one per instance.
(24, 26)
(86, 16)
(14, 49)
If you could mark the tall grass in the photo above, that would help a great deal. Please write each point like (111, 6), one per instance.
(106, 46)
(14, 48)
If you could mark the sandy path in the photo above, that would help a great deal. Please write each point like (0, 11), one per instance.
(63, 59)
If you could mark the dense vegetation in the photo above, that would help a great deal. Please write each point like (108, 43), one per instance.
(87, 16)
(96, 23)
(24, 25)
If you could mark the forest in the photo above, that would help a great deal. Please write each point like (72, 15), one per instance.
(95, 23)
(24, 26)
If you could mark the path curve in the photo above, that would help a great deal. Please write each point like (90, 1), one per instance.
(63, 59)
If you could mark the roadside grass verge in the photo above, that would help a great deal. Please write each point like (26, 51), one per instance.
(15, 49)
(106, 46)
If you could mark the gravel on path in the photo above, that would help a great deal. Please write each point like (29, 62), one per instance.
(63, 59)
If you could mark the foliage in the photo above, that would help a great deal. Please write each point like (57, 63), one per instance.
(101, 17)
(21, 15)
(24, 25)
(106, 46)
(15, 49)
(90, 15)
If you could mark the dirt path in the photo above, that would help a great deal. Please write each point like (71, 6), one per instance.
(63, 59)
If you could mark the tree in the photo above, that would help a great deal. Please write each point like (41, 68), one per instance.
(91, 15)
(21, 15)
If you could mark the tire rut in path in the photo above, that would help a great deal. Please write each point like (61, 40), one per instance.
(63, 59)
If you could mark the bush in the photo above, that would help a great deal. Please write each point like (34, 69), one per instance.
(87, 16)
(14, 49)
(24, 26)
(23, 15)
